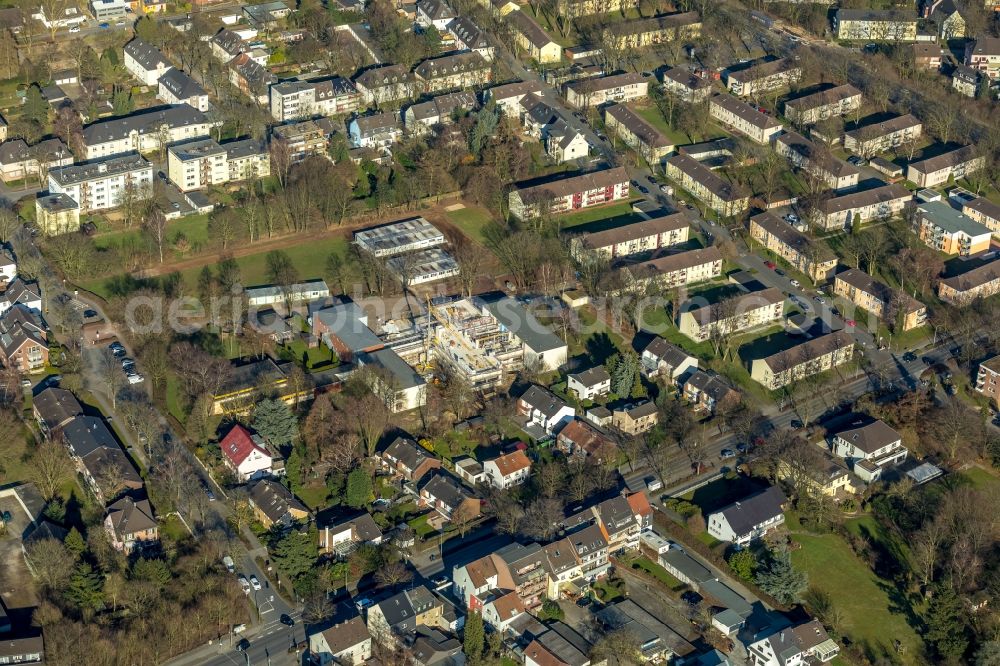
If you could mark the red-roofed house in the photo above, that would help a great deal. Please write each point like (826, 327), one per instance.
(246, 454)
(641, 509)
(508, 470)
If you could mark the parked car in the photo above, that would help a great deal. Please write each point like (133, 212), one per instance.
(692, 597)
(136, 379)
(771, 265)
(286, 620)
(795, 283)
(725, 454)
(440, 581)
(796, 424)
(244, 583)
(819, 299)
(26, 383)
(666, 189)
(643, 190)
(254, 583)
(779, 272)
(227, 561)
(363, 603)
(126, 362)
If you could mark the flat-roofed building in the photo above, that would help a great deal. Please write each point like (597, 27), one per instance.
(763, 77)
(945, 229)
(981, 282)
(302, 139)
(877, 203)
(744, 119)
(803, 360)
(643, 32)
(637, 238)
(57, 214)
(675, 270)
(100, 185)
(731, 316)
(637, 133)
(817, 160)
(879, 25)
(880, 137)
(812, 258)
(719, 194)
(956, 164)
(399, 237)
(686, 85)
(985, 212)
(197, 164)
(988, 379)
(829, 103)
(564, 195)
(603, 89)
(890, 305)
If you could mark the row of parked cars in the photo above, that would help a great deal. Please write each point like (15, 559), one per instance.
(128, 364)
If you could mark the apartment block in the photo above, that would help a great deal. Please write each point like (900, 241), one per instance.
(197, 164)
(880, 137)
(100, 185)
(954, 164)
(576, 8)
(744, 119)
(944, 229)
(983, 54)
(458, 71)
(636, 133)
(829, 103)
(330, 96)
(877, 25)
(686, 85)
(733, 315)
(763, 77)
(814, 259)
(720, 195)
(675, 270)
(532, 38)
(384, 85)
(145, 62)
(985, 212)
(603, 89)
(817, 161)
(988, 380)
(889, 305)
(176, 87)
(803, 360)
(645, 32)
(302, 139)
(980, 282)
(564, 195)
(247, 159)
(145, 131)
(877, 203)
(631, 239)
(421, 118)
(927, 56)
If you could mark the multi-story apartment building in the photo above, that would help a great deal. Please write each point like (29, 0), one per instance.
(890, 305)
(966, 81)
(302, 139)
(927, 56)
(988, 380)
(956, 164)
(100, 185)
(836, 101)
(458, 71)
(420, 118)
(565, 195)
(250, 77)
(377, 131)
(644, 32)
(720, 195)
(145, 62)
(329, 96)
(385, 85)
(878, 25)
(877, 203)
(803, 360)
(247, 159)
(985, 212)
(197, 164)
(944, 229)
(144, 132)
(744, 119)
(733, 315)
(469, 37)
(532, 38)
(19, 161)
(603, 89)
(686, 85)
(576, 8)
(176, 87)
(980, 282)
(880, 137)
(675, 270)
(814, 259)
(631, 239)
(817, 160)
(636, 133)
(435, 13)
(763, 77)
(983, 54)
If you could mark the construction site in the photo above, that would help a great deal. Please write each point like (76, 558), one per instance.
(471, 342)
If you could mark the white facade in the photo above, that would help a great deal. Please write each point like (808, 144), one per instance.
(144, 132)
(100, 186)
(501, 475)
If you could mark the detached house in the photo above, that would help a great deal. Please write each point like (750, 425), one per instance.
(635, 419)
(532, 39)
(342, 535)
(346, 643)
(806, 643)
(749, 519)
(435, 13)
(23, 340)
(145, 62)
(870, 449)
(274, 504)
(131, 525)
(247, 454)
(590, 384)
(176, 87)
(509, 470)
(707, 391)
(407, 459)
(581, 439)
(660, 358)
(449, 499)
(541, 407)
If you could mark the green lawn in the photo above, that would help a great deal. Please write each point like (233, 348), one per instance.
(421, 528)
(651, 114)
(471, 220)
(980, 477)
(611, 215)
(194, 228)
(657, 572)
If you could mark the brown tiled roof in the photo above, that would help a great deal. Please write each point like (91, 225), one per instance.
(739, 304)
(686, 78)
(508, 606)
(763, 69)
(792, 237)
(823, 97)
(563, 187)
(807, 351)
(512, 462)
(985, 207)
(870, 197)
(816, 155)
(950, 159)
(866, 283)
(886, 127)
(605, 82)
(654, 23)
(974, 278)
(638, 125)
(745, 111)
(345, 635)
(679, 261)
(715, 183)
(529, 27)
(643, 229)
(583, 435)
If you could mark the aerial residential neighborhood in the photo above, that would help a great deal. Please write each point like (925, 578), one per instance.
(500, 333)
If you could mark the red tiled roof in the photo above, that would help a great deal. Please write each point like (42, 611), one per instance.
(639, 504)
(237, 445)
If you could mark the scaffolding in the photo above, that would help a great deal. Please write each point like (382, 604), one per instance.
(474, 344)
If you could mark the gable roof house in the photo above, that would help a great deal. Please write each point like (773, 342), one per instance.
(435, 13)
(541, 407)
(274, 504)
(803, 360)
(177, 87)
(637, 133)
(226, 45)
(421, 118)
(23, 340)
(581, 439)
(247, 454)
(131, 525)
(99, 458)
(816, 159)
(532, 38)
(802, 644)
(145, 62)
(707, 391)
(509, 470)
(590, 383)
(449, 498)
(53, 408)
(144, 131)
(343, 535)
(686, 85)
(762, 77)
(469, 37)
(377, 131)
(383, 85)
(635, 418)
(817, 106)
(660, 358)
(750, 518)
(408, 459)
(347, 643)
(460, 70)
(18, 160)
(955, 164)
(983, 53)
(870, 449)
(250, 77)
(402, 613)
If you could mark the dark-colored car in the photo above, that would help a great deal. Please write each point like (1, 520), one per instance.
(583, 602)
(796, 424)
(243, 645)
(286, 620)
(909, 357)
(643, 190)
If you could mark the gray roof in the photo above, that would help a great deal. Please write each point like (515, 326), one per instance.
(346, 323)
(17, 150)
(588, 540)
(363, 525)
(196, 149)
(870, 437)
(470, 33)
(325, 88)
(80, 173)
(86, 434)
(543, 400)
(667, 352)
(751, 511)
(950, 159)
(529, 28)
(406, 451)
(376, 123)
(56, 406)
(344, 635)
(592, 376)
(435, 10)
(229, 41)
(689, 567)
(649, 630)
(128, 516)
(434, 68)
(275, 501)
(951, 220)
(726, 597)
(710, 383)
(180, 84)
(447, 489)
(143, 123)
(241, 148)
(519, 321)
(404, 376)
(146, 54)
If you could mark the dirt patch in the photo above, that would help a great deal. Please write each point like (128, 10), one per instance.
(16, 584)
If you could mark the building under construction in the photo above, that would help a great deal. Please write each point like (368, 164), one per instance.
(474, 344)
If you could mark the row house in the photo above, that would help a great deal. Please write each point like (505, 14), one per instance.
(725, 198)
(803, 360)
(886, 135)
(878, 25)
(401, 614)
(744, 119)
(645, 236)
(386, 85)
(23, 293)
(541, 407)
(517, 568)
(817, 161)
(707, 392)
(250, 77)
(870, 449)
(637, 133)
(879, 299)
(565, 195)
(749, 519)
(954, 164)
(407, 459)
(145, 62)
(645, 32)
(829, 103)
(985, 212)
(732, 315)
(421, 118)
(808, 256)
(603, 89)
(101, 185)
(303, 139)
(329, 96)
(878, 203)
(177, 87)
(686, 85)
(99, 457)
(983, 54)
(944, 229)
(760, 78)
(53, 408)
(988, 380)
(144, 132)
(660, 358)
(459, 71)
(622, 519)
(675, 270)
(470, 37)
(962, 289)
(532, 39)
(19, 161)
(508, 96)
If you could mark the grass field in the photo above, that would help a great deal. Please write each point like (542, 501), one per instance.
(194, 228)
(471, 220)
(598, 217)
(980, 478)
(652, 115)
(657, 572)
